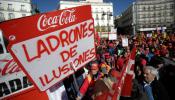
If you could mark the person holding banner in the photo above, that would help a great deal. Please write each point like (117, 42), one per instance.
(104, 67)
(86, 89)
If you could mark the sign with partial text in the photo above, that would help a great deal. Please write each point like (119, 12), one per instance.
(112, 36)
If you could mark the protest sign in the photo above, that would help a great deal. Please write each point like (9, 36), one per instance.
(14, 83)
(51, 43)
(57, 92)
(112, 36)
(124, 42)
(149, 35)
(12, 80)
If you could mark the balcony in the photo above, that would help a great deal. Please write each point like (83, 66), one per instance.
(1, 8)
(23, 10)
(10, 9)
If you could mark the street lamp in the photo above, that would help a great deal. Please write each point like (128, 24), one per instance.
(134, 28)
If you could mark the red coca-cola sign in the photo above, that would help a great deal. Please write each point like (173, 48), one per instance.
(45, 22)
(48, 46)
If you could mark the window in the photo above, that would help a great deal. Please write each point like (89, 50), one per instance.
(108, 17)
(168, 6)
(168, 14)
(154, 14)
(169, 20)
(102, 10)
(162, 20)
(152, 21)
(108, 10)
(165, 20)
(165, 13)
(172, 6)
(148, 15)
(23, 8)
(149, 7)
(158, 14)
(96, 10)
(146, 8)
(102, 17)
(154, 7)
(97, 18)
(23, 15)
(1, 7)
(10, 7)
(2, 18)
(11, 16)
(171, 13)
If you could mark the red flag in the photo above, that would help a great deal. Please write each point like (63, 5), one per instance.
(124, 85)
(127, 87)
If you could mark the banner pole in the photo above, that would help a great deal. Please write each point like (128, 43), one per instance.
(74, 78)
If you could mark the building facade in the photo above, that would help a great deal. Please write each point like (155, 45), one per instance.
(10, 9)
(101, 12)
(148, 15)
(126, 20)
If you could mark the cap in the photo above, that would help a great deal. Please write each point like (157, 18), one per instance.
(143, 62)
(107, 56)
(111, 45)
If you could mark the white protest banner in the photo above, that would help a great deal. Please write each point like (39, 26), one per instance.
(113, 30)
(57, 92)
(104, 35)
(124, 42)
(56, 41)
(12, 80)
(7, 65)
(149, 35)
(14, 83)
(112, 36)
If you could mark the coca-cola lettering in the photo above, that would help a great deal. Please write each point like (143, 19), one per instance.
(66, 17)
(10, 67)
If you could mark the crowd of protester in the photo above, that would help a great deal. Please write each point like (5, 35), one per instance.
(154, 67)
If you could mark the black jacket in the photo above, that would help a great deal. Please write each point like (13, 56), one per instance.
(159, 91)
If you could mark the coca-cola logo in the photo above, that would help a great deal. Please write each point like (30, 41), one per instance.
(9, 67)
(66, 17)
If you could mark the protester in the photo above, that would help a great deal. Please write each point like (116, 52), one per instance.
(106, 87)
(153, 87)
(88, 84)
(104, 67)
